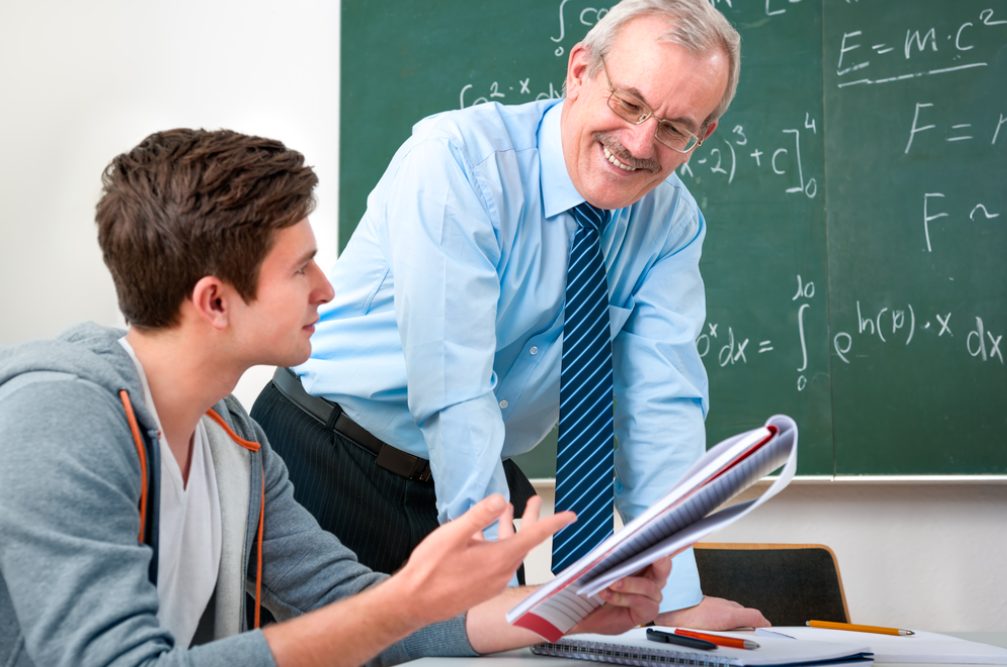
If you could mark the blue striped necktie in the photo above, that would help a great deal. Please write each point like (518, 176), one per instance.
(584, 467)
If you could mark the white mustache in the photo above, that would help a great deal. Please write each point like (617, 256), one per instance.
(618, 150)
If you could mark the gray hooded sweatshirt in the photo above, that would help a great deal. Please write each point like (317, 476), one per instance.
(76, 583)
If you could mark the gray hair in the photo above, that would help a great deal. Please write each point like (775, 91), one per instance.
(694, 24)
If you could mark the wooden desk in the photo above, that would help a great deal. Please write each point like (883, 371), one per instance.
(524, 658)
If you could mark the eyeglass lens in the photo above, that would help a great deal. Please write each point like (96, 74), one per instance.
(635, 111)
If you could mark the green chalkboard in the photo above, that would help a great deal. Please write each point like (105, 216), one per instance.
(820, 220)
(916, 148)
(760, 182)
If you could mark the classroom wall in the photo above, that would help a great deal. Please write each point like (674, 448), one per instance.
(81, 82)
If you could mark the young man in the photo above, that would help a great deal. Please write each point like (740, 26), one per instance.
(138, 501)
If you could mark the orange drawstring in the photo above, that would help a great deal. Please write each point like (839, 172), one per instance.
(138, 441)
(247, 444)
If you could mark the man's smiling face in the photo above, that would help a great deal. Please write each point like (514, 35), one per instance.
(612, 162)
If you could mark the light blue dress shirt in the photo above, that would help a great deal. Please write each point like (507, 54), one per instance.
(453, 286)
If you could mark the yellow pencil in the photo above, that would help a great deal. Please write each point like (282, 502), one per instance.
(852, 627)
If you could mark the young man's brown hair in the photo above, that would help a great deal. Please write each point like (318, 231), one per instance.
(185, 204)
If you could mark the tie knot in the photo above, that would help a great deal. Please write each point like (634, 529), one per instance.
(590, 217)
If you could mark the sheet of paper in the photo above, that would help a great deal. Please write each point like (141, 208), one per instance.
(927, 647)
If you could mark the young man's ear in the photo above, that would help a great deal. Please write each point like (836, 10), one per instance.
(211, 301)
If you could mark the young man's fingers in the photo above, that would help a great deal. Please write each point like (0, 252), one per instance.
(505, 528)
(529, 537)
(479, 516)
(531, 511)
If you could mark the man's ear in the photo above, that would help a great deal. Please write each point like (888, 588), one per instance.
(211, 299)
(577, 69)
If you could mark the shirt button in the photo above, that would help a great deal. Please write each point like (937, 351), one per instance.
(533, 350)
(504, 404)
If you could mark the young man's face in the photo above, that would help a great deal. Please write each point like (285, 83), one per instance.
(275, 329)
(612, 162)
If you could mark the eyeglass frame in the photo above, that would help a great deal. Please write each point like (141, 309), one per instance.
(647, 116)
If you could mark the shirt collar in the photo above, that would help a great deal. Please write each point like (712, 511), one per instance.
(558, 191)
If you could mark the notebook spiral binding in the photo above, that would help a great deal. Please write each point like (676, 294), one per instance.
(626, 655)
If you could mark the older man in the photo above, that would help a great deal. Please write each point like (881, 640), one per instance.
(463, 326)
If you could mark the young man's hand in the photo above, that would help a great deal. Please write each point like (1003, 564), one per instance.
(451, 570)
(454, 568)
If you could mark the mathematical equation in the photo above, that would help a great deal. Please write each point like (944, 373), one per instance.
(588, 16)
(953, 133)
(783, 158)
(977, 212)
(978, 341)
(894, 53)
(517, 96)
(520, 90)
(733, 349)
(890, 325)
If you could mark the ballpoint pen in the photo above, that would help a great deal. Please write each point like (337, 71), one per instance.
(670, 638)
(719, 640)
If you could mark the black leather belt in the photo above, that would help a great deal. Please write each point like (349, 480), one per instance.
(391, 459)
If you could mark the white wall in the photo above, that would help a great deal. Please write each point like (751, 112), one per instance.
(81, 82)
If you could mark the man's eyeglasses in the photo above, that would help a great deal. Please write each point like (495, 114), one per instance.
(631, 108)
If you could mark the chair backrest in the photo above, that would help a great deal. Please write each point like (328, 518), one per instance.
(789, 583)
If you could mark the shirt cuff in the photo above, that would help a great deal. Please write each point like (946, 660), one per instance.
(683, 589)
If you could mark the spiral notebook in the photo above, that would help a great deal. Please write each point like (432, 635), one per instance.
(633, 648)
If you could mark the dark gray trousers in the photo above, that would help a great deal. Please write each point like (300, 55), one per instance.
(376, 513)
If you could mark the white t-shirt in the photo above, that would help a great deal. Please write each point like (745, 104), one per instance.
(189, 529)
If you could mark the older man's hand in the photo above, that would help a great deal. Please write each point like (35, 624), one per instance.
(714, 614)
(630, 602)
